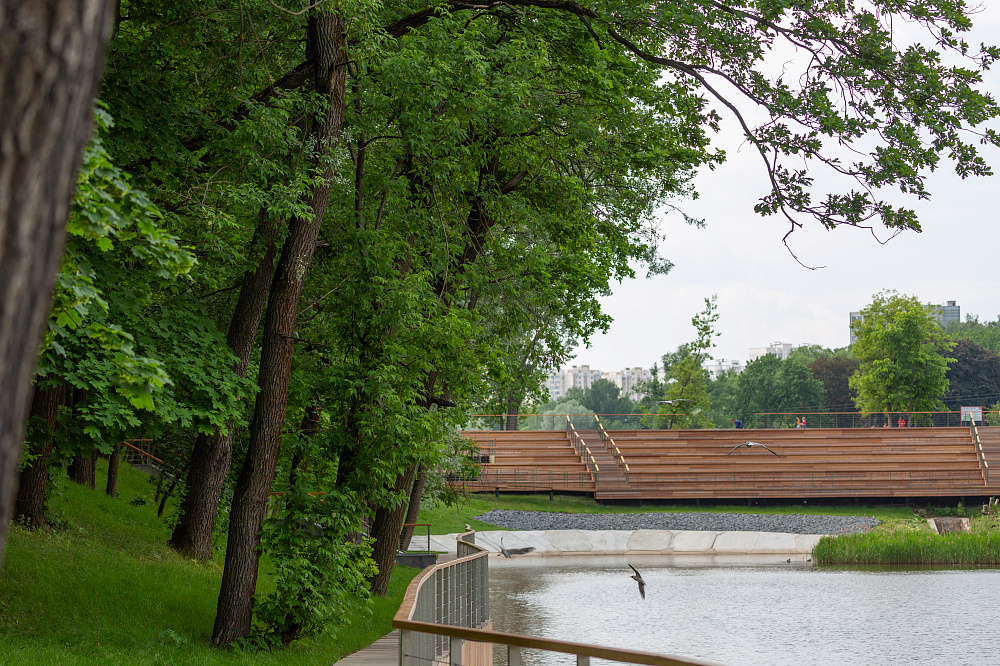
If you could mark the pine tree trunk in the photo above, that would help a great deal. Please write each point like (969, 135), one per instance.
(326, 46)
(213, 453)
(112, 486)
(385, 531)
(30, 505)
(51, 58)
(413, 508)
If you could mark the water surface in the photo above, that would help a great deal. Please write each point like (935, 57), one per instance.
(741, 612)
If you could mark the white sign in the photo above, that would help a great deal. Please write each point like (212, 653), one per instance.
(974, 414)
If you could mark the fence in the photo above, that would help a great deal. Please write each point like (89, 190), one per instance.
(496, 422)
(444, 619)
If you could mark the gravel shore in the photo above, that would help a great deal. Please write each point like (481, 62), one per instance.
(719, 522)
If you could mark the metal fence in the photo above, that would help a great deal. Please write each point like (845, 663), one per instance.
(497, 422)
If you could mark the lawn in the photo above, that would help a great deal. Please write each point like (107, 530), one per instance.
(105, 589)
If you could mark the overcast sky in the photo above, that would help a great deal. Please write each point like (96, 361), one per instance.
(764, 295)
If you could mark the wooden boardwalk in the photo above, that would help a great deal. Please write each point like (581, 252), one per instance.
(383, 652)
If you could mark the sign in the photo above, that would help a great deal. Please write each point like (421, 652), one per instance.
(974, 414)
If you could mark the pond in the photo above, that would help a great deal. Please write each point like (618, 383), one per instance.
(742, 612)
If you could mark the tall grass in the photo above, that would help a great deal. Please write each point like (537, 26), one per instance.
(105, 589)
(980, 548)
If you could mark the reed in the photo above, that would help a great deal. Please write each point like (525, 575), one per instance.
(911, 547)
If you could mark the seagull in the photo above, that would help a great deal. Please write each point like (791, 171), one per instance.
(750, 445)
(671, 402)
(507, 552)
(638, 578)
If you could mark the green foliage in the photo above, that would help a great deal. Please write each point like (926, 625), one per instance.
(685, 378)
(985, 334)
(319, 574)
(903, 354)
(770, 388)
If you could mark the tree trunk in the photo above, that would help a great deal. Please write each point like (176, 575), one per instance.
(212, 454)
(166, 496)
(82, 468)
(30, 505)
(385, 532)
(51, 58)
(413, 508)
(513, 408)
(112, 486)
(326, 46)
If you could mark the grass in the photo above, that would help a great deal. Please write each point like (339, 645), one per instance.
(105, 589)
(448, 519)
(912, 542)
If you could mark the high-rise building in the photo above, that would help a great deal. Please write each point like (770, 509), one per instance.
(627, 380)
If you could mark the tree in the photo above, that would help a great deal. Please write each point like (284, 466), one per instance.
(685, 380)
(835, 372)
(974, 377)
(603, 398)
(53, 54)
(903, 354)
(774, 387)
(984, 334)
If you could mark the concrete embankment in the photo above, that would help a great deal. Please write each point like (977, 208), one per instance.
(626, 542)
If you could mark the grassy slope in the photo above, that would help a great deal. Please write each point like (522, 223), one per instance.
(445, 519)
(106, 590)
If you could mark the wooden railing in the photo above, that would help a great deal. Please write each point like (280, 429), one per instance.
(446, 608)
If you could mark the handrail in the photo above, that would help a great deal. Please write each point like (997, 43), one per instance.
(582, 448)
(613, 449)
(468, 551)
(984, 466)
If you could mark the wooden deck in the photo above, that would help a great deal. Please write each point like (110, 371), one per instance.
(383, 652)
(696, 464)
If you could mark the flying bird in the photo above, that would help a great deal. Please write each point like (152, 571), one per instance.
(507, 552)
(750, 445)
(671, 402)
(638, 578)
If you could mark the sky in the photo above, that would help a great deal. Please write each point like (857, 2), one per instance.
(764, 295)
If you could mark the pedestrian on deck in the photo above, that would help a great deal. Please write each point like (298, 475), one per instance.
(901, 423)
(738, 424)
(798, 422)
(803, 422)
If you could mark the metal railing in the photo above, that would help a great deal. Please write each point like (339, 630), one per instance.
(520, 478)
(444, 619)
(613, 449)
(983, 465)
(582, 448)
(496, 422)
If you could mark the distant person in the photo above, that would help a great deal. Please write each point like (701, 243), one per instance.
(798, 422)
(738, 424)
(901, 423)
(802, 423)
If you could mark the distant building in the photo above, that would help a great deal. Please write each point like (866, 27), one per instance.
(627, 380)
(779, 349)
(718, 366)
(946, 313)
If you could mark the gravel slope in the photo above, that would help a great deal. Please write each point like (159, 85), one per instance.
(742, 522)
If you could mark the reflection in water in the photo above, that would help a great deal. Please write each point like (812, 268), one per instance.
(741, 613)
